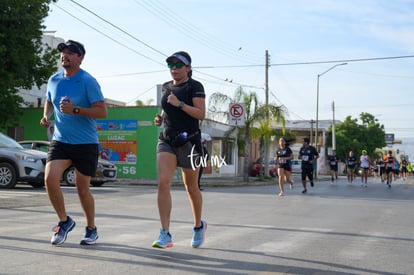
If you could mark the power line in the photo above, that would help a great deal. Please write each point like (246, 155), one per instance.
(375, 106)
(310, 62)
(119, 29)
(107, 36)
(344, 60)
(207, 67)
(130, 74)
(179, 23)
(141, 94)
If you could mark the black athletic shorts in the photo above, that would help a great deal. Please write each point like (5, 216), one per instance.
(84, 157)
(187, 155)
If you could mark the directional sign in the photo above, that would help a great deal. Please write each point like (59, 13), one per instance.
(236, 112)
(389, 138)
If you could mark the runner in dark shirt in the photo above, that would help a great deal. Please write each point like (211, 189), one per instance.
(350, 166)
(283, 159)
(333, 163)
(308, 154)
(389, 167)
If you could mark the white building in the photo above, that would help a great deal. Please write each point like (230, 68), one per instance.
(36, 96)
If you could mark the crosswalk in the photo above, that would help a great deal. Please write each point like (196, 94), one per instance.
(5, 194)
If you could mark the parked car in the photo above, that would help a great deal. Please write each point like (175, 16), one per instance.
(296, 166)
(106, 171)
(18, 164)
(259, 166)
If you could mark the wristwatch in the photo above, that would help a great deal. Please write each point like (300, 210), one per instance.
(181, 105)
(76, 110)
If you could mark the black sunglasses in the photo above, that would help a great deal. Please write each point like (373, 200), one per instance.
(177, 65)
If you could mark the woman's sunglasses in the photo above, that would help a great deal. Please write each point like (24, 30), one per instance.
(177, 65)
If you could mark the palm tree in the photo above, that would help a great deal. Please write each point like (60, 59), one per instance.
(263, 117)
(255, 113)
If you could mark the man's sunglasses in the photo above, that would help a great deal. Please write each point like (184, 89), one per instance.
(177, 65)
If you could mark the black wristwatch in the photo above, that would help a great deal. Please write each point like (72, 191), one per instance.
(181, 105)
(76, 110)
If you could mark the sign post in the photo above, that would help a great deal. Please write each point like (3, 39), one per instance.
(236, 112)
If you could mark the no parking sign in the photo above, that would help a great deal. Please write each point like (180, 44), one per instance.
(236, 112)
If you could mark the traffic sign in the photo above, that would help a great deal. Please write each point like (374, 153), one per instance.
(236, 113)
(389, 138)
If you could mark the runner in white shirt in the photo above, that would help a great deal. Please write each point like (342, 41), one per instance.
(364, 163)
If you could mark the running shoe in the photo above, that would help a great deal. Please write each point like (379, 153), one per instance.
(291, 185)
(311, 183)
(90, 236)
(61, 231)
(199, 234)
(281, 194)
(164, 240)
(304, 191)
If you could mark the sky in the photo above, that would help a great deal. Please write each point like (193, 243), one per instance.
(127, 43)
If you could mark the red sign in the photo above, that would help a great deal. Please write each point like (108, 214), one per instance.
(236, 112)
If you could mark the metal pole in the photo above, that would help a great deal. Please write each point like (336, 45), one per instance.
(311, 131)
(317, 109)
(317, 113)
(236, 157)
(333, 127)
(316, 126)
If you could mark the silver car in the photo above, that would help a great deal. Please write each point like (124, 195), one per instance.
(18, 164)
(296, 166)
(105, 172)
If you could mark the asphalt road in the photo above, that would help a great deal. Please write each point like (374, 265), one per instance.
(334, 229)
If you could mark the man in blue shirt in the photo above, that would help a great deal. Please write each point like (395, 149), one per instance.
(75, 99)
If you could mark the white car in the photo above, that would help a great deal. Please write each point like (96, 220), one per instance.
(105, 172)
(18, 164)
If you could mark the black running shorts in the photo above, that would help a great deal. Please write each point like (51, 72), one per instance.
(84, 157)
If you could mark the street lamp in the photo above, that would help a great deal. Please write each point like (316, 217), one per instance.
(317, 106)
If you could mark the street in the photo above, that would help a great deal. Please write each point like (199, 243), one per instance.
(333, 229)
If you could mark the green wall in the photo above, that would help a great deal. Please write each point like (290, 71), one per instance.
(126, 131)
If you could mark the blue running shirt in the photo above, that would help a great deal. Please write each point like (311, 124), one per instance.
(83, 90)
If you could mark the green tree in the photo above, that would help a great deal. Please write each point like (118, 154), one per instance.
(350, 135)
(142, 103)
(263, 118)
(24, 61)
(255, 114)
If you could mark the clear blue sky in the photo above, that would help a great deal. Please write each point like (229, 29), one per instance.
(127, 42)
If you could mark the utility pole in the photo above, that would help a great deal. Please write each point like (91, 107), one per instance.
(266, 141)
(333, 127)
(267, 80)
(311, 132)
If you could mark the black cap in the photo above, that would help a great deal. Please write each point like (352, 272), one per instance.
(306, 139)
(182, 56)
(72, 46)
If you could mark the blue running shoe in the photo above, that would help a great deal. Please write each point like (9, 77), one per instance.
(164, 240)
(90, 236)
(61, 231)
(199, 234)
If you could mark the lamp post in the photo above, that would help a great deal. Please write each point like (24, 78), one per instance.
(317, 106)
(311, 130)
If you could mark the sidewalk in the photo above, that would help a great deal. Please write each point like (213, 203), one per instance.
(221, 181)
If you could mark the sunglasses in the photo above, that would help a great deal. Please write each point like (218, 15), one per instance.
(177, 65)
